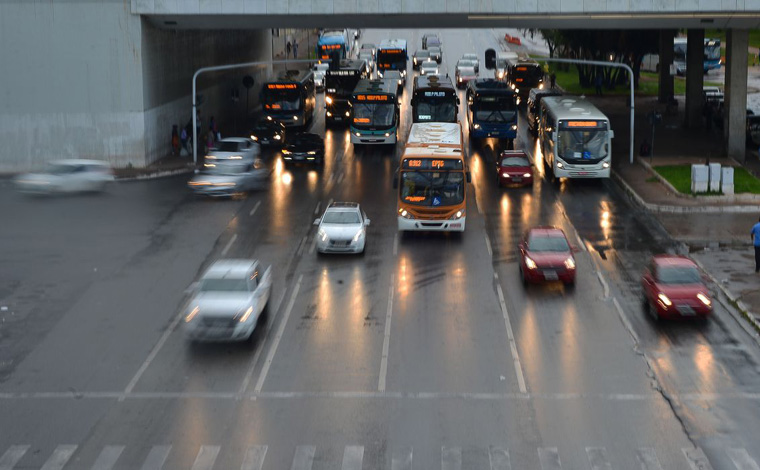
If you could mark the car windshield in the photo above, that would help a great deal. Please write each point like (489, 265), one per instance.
(223, 285)
(373, 115)
(582, 146)
(61, 168)
(341, 85)
(225, 169)
(434, 50)
(679, 275)
(432, 188)
(466, 64)
(341, 217)
(422, 54)
(515, 161)
(550, 244)
(228, 146)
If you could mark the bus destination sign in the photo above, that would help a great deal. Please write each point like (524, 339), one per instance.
(432, 164)
(372, 97)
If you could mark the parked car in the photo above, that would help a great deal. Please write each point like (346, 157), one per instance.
(233, 149)
(473, 57)
(429, 67)
(435, 53)
(269, 132)
(464, 72)
(226, 179)
(67, 176)
(229, 299)
(672, 287)
(545, 255)
(304, 147)
(513, 167)
(420, 56)
(342, 229)
(319, 75)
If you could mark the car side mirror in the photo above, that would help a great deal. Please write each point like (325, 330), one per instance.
(469, 177)
(366, 222)
(395, 181)
(316, 221)
(612, 134)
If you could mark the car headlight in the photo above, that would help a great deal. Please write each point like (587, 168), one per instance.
(269, 118)
(476, 126)
(664, 300)
(192, 314)
(312, 152)
(526, 175)
(540, 86)
(347, 113)
(236, 157)
(254, 137)
(329, 114)
(517, 101)
(277, 137)
(387, 134)
(514, 127)
(210, 157)
(322, 235)
(400, 81)
(506, 175)
(246, 315)
(530, 263)
(501, 74)
(570, 263)
(458, 215)
(605, 164)
(380, 74)
(358, 235)
(328, 99)
(415, 60)
(357, 134)
(704, 299)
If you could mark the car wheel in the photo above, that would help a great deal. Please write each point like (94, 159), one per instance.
(522, 277)
(652, 312)
(570, 285)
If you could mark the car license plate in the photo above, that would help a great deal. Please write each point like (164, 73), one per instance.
(550, 275)
(264, 141)
(493, 134)
(685, 310)
(517, 179)
(337, 118)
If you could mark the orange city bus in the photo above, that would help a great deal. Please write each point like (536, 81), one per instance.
(432, 179)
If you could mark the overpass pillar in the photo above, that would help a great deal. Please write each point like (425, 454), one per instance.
(694, 77)
(666, 88)
(735, 102)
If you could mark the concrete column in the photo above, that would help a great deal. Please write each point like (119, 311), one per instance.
(666, 59)
(735, 104)
(694, 77)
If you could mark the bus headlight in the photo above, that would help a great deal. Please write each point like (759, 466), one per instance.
(295, 118)
(387, 134)
(329, 114)
(328, 99)
(476, 126)
(605, 164)
(459, 214)
(269, 118)
(405, 214)
(560, 165)
(357, 134)
(514, 127)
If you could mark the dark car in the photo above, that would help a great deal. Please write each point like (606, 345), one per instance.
(268, 132)
(304, 147)
(429, 40)
(545, 255)
(435, 53)
(419, 57)
(395, 75)
(513, 167)
(533, 110)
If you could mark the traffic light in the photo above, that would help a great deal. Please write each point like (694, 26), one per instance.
(490, 59)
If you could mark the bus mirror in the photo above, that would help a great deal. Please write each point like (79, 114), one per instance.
(395, 181)
(469, 177)
(612, 134)
(490, 59)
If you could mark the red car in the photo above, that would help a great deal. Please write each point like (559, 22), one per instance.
(513, 167)
(545, 255)
(672, 287)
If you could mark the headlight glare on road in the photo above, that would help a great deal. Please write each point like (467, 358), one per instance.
(664, 300)
(570, 263)
(192, 314)
(530, 263)
(704, 299)
(246, 315)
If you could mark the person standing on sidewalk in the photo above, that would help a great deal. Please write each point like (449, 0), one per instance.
(287, 50)
(295, 49)
(755, 234)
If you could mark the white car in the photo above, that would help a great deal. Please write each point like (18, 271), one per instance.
(369, 59)
(226, 179)
(429, 67)
(473, 57)
(229, 299)
(234, 148)
(67, 176)
(319, 75)
(342, 229)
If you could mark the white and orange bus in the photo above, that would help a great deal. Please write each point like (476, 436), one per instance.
(432, 179)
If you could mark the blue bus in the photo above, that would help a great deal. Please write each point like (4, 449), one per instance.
(290, 98)
(392, 55)
(333, 40)
(492, 110)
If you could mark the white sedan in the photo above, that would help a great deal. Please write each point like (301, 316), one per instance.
(228, 179)
(429, 67)
(67, 176)
(229, 299)
(342, 229)
(234, 148)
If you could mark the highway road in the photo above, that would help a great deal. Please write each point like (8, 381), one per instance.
(426, 353)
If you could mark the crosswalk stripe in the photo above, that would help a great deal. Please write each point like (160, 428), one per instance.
(304, 458)
(742, 460)
(60, 456)
(499, 458)
(156, 458)
(696, 458)
(648, 459)
(352, 458)
(107, 458)
(206, 457)
(451, 458)
(597, 457)
(548, 457)
(254, 458)
(11, 457)
(402, 459)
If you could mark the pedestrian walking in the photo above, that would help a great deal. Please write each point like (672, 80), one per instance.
(755, 234)
(183, 141)
(295, 49)
(598, 81)
(287, 50)
(553, 79)
(210, 138)
(175, 140)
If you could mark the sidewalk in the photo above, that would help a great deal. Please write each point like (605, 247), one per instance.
(167, 166)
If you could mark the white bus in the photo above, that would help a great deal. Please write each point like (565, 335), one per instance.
(576, 139)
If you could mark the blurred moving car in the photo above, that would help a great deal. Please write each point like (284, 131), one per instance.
(672, 287)
(234, 148)
(545, 255)
(225, 179)
(268, 132)
(435, 53)
(465, 71)
(319, 75)
(395, 75)
(420, 56)
(67, 176)
(305, 147)
(429, 67)
(342, 229)
(473, 57)
(369, 47)
(513, 167)
(229, 299)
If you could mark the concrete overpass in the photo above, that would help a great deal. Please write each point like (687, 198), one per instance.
(107, 79)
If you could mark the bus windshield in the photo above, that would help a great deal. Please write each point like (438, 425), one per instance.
(341, 85)
(391, 59)
(435, 109)
(498, 109)
(527, 76)
(282, 100)
(432, 188)
(712, 52)
(582, 146)
(368, 115)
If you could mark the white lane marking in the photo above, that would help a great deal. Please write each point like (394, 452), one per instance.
(253, 211)
(316, 209)
(625, 320)
(597, 458)
(278, 337)
(386, 339)
(206, 458)
(255, 360)
(402, 459)
(604, 284)
(488, 245)
(156, 458)
(340, 177)
(696, 458)
(229, 244)
(511, 336)
(451, 458)
(395, 244)
(301, 246)
(107, 458)
(549, 458)
(303, 458)
(499, 458)
(352, 458)
(60, 456)
(313, 244)
(11, 456)
(254, 458)
(648, 459)
(741, 459)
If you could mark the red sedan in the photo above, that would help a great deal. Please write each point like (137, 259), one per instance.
(672, 287)
(545, 255)
(513, 168)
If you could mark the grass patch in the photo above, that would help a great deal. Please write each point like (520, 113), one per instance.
(652, 179)
(744, 182)
(680, 177)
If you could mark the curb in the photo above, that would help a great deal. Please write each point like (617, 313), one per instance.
(156, 175)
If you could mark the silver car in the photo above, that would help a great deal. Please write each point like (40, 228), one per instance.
(234, 149)
(473, 57)
(67, 176)
(435, 53)
(319, 75)
(429, 67)
(226, 179)
(465, 71)
(369, 59)
(342, 229)
(229, 299)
